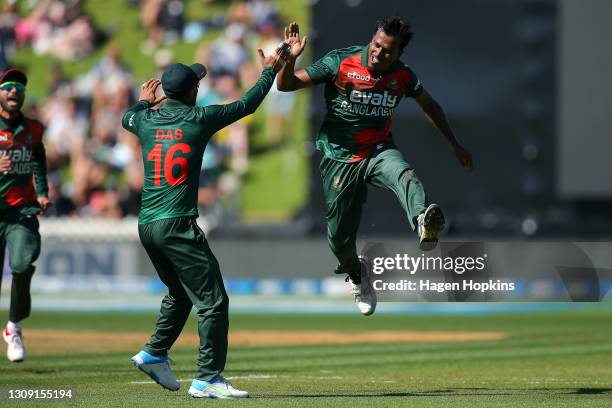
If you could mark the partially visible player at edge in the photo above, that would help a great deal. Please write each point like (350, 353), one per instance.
(173, 139)
(363, 86)
(23, 195)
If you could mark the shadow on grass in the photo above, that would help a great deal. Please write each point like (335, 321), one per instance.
(452, 392)
(592, 391)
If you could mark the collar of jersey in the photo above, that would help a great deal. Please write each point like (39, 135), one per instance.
(4, 124)
(174, 104)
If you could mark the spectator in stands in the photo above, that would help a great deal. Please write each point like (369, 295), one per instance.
(163, 21)
(8, 19)
(95, 167)
(278, 105)
(58, 28)
(229, 52)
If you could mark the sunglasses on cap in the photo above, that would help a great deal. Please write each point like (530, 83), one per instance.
(7, 86)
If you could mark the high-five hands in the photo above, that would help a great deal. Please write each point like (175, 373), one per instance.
(277, 59)
(292, 37)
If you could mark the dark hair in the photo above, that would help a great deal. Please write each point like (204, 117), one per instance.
(396, 27)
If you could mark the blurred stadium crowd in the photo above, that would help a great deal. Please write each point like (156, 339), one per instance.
(94, 166)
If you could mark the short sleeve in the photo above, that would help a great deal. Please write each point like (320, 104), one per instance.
(415, 88)
(324, 69)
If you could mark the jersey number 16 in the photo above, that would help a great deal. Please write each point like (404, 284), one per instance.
(169, 162)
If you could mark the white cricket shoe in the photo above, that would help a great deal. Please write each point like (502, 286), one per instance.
(430, 223)
(218, 387)
(158, 368)
(15, 351)
(364, 293)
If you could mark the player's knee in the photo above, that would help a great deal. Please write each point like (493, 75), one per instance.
(21, 269)
(180, 302)
(219, 307)
(407, 175)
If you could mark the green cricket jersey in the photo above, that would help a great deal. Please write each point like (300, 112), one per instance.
(21, 140)
(173, 139)
(359, 103)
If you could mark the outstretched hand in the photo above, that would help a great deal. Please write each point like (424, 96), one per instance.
(464, 157)
(292, 37)
(277, 59)
(147, 92)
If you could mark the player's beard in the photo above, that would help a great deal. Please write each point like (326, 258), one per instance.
(12, 105)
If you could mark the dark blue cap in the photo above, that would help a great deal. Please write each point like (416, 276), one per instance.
(179, 79)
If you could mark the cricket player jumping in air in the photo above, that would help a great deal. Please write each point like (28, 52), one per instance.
(173, 139)
(363, 86)
(23, 195)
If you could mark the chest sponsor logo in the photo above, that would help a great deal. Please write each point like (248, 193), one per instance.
(373, 98)
(357, 75)
(20, 158)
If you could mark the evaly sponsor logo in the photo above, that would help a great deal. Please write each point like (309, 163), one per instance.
(356, 75)
(17, 155)
(373, 98)
(20, 158)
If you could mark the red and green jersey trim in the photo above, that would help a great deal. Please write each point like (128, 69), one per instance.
(360, 104)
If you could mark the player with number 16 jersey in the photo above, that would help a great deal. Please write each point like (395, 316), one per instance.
(173, 139)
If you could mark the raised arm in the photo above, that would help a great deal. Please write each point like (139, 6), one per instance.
(146, 99)
(288, 79)
(220, 116)
(436, 116)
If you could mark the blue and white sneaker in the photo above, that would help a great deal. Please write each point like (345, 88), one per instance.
(158, 368)
(218, 387)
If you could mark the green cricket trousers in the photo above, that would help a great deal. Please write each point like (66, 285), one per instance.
(345, 189)
(186, 265)
(19, 232)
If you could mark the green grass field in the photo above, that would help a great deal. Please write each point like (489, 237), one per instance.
(542, 360)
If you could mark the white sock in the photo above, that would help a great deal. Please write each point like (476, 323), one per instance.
(13, 327)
